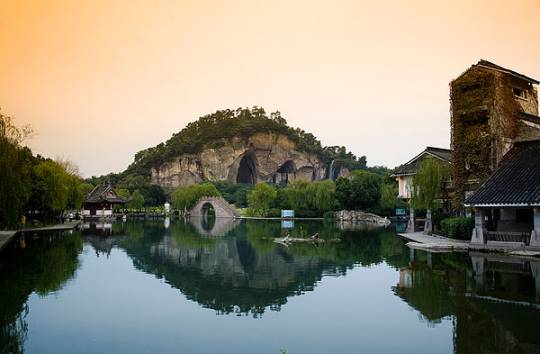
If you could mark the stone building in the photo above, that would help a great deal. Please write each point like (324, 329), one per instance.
(491, 108)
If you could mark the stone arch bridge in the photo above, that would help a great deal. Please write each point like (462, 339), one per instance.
(222, 209)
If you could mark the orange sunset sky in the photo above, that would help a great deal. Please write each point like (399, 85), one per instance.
(101, 80)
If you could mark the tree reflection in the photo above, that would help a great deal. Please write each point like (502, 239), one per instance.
(43, 266)
(244, 271)
(494, 307)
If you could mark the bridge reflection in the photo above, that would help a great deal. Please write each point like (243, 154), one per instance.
(213, 227)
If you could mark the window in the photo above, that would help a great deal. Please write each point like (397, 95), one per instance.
(519, 93)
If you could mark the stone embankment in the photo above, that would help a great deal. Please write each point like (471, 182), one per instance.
(361, 216)
(434, 243)
(6, 236)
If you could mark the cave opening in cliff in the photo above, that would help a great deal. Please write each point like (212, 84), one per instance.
(284, 171)
(247, 172)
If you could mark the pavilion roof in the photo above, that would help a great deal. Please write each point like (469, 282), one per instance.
(104, 192)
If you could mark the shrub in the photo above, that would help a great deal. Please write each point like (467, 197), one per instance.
(274, 213)
(187, 197)
(458, 228)
(261, 198)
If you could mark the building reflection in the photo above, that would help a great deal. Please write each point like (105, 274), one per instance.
(493, 300)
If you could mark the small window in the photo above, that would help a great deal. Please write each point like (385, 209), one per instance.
(520, 93)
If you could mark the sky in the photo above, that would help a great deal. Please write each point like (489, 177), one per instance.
(100, 80)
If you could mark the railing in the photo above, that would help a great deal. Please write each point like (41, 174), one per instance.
(507, 236)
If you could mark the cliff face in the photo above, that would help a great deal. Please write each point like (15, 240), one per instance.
(261, 157)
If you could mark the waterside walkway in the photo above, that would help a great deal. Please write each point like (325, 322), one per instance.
(443, 244)
(6, 236)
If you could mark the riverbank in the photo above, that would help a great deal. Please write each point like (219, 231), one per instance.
(7, 236)
(435, 243)
(273, 218)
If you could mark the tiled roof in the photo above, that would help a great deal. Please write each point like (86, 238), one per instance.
(516, 182)
(411, 166)
(103, 192)
(493, 66)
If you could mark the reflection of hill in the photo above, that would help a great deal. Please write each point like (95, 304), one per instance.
(244, 271)
(42, 266)
(228, 275)
(495, 306)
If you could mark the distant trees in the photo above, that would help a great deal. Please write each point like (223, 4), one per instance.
(309, 198)
(153, 195)
(137, 200)
(185, 198)
(32, 183)
(261, 199)
(234, 193)
(123, 192)
(360, 192)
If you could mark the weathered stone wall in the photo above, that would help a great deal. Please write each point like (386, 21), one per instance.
(267, 151)
(530, 103)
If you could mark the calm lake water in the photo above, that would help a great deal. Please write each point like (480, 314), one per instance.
(226, 287)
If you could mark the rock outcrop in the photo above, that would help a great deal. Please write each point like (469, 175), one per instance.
(361, 216)
(261, 157)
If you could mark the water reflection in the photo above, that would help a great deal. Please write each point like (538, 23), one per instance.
(492, 301)
(243, 271)
(212, 227)
(43, 266)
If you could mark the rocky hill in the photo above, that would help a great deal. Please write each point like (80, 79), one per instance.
(239, 146)
(261, 157)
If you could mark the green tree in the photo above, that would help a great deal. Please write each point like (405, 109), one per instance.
(185, 198)
(153, 195)
(123, 192)
(16, 167)
(137, 200)
(261, 199)
(389, 199)
(75, 193)
(308, 198)
(359, 192)
(322, 195)
(429, 184)
(294, 196)
(52, 186)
